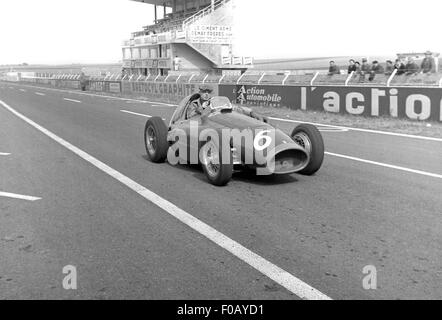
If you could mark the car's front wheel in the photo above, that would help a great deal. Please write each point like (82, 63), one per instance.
(217, 171)
(155, 139)
(309, 137)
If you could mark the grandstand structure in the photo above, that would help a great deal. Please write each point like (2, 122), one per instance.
(191, 36)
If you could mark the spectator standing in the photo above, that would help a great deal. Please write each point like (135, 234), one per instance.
(83, 81)
(333, 69)
(351, 66)
(358, 67)
(389, 67)
(176, 63)
(400, 67)
(365, 67)
(376, 68)
(411, 68)
(427, 64)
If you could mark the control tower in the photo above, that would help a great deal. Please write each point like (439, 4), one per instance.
(190, 36)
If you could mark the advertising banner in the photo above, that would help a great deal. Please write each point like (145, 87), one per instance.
(212, 34)
(405, 102)
(72, 84)
(168, 91)
(105, 86)
(412, 103)
(272, 96)
(115, 87)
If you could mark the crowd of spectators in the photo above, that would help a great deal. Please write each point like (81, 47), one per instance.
(403, 66)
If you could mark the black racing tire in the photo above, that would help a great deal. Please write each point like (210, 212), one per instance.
(155, 139)
(309, 137)
(220, 176)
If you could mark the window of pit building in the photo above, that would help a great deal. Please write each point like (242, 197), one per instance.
(165, 51)
(144, 53)
(153, 53)
(127, 53)
(135, 53)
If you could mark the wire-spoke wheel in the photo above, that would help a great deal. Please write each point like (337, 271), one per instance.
(218, 172)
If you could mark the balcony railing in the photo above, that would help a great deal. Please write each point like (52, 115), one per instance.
(202, 13)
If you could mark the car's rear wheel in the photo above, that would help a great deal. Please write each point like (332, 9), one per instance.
(155, 139)
(217, 171)
(309, 137)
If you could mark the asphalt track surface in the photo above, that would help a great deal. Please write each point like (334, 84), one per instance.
(376, 201)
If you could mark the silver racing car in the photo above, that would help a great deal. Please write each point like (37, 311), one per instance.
(225, 138)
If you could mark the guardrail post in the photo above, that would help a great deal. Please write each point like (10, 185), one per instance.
(239, 79)
(155, 80)
(391, 77)
(440, 82)
(221, 79)
(349, 78)
(285, 78)
(178, 77)
(191, 77)
(130, 78)
(165, 80)
(139, 77)
(147, 78)
(262, 76)
(205, 78)
(314, 78)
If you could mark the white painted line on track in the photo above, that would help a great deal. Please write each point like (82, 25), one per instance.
(362, 130)
(4, 154)
(332, 130)
(72, 100)
(40, 94)
(22, 90)
(424, 173)
(137, 114)
(280, 276)
(98, 95)
(18, 196)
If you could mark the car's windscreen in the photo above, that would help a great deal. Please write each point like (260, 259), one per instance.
(220, 103)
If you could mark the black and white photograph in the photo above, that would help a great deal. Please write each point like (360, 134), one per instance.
(220, 155)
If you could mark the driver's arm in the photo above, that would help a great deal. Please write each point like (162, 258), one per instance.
(193, 110)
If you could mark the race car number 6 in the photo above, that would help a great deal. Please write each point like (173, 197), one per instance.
(259, 137)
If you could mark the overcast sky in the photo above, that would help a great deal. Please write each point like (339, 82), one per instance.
(340, 28)
(68, 31)
(91, 31)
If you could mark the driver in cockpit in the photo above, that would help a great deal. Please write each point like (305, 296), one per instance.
(197, 106)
